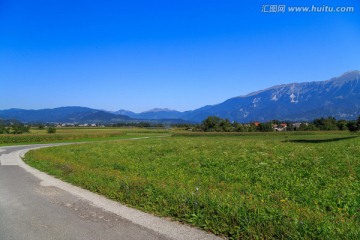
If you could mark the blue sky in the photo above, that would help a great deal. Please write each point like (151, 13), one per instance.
(181, 55)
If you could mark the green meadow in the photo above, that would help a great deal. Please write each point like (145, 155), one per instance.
(76, 135)
(241, 186)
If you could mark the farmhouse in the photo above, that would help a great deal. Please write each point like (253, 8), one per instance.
(280, 127)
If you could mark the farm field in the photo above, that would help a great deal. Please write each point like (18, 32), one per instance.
(76, 135)
(242, 186)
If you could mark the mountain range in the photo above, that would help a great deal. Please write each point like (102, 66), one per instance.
(156, 113)
(338, 97)
(63, 115)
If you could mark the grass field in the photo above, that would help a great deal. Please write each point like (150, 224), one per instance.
(76, 135)
(251, 186)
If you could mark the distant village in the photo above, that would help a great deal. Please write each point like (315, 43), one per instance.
(216, 124)
(284, 126)
(78, 125)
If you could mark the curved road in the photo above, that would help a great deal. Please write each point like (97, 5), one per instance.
(35, 206)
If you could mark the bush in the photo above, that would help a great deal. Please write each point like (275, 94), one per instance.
(51, 130)
(19, 128)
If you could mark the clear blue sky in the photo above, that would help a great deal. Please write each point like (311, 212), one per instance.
(182, 55)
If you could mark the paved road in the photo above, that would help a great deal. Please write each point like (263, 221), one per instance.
(34, 206)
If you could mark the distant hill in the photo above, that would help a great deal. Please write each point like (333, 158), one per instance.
(126, 113)
(79, 115)
(153, 114)
(338, 97)
(63, 115)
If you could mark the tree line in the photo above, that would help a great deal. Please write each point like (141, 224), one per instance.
(13, 128)
(216, 124)
(20, 128)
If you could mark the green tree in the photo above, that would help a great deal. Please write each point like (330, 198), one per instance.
(265, 127)
(326, 123)
(354, 126)
(238, 127)
(19, 128)
(7, 130)
(342, 124)
(226, 125)
(211, 123)
(312, 127)
(51, 130)
(303, 127)
(251, 127)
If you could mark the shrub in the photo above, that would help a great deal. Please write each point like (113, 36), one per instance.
(51, 130)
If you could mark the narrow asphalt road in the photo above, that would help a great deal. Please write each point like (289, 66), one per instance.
(35, 206)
